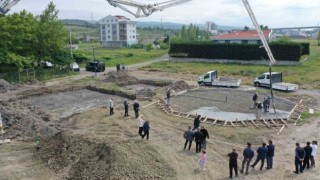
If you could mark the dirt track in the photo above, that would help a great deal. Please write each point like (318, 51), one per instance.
(88, 136)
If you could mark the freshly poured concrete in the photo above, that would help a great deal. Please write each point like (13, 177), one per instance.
(215, 113)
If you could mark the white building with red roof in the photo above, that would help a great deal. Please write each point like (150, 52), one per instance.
(117, 31)
(242, 37)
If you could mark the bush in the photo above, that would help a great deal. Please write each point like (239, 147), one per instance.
(137, 46)
(149, 47)
(305, 48)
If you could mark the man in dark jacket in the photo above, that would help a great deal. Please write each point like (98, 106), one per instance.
(168, 97)
(233, 162)
(125, 103)
(196, 122)
(136, 108)
(270, 155)
(198, 136)
(254, 99)
(248, 154)
(188, 135)
(299, 157)
(262, 151)
(146, 129)
(308, 151)
(205, 136)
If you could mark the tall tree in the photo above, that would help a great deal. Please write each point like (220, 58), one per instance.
(50, 34)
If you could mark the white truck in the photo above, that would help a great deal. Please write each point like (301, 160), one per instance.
(276, 79)
(211, 79)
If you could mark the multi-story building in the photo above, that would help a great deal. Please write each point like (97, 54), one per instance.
(117, 31)
(211, 27)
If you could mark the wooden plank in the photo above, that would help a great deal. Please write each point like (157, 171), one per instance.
(215, 122)
(225, 123)
(273, 122)
(205, 119)
(281, 130)
(265, 122)
(295, 123)
(254, 123)
(149, 104)
(284, 122)
(244, 124)
(232, 124)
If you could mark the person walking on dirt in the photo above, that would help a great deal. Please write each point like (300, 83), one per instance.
(308, 151)
(313, 153)
(111, 106)
(126, 107)
(123, 66)
(1, 126)
(136, 108)
(168, 97)
(205, 136)
(118, 67)
(188, 135)
(299, 157)
(198, 136)
(248, 154)
(233, 162)
(270, 155)
(262, 151)
(146, 129)
(202, 160)
(140, 124)
(196, 122)
(254, 99)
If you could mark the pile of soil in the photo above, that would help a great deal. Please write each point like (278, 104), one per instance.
(74, 157)
(24, 120)
(5, 86)
(146, 92)
(179, 86)
(121, 78)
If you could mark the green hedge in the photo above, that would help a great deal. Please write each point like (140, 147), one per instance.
(208, 50)
(305, 48)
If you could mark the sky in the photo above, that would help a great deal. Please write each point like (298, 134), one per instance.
(273, 13)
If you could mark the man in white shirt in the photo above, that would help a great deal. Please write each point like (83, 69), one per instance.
(140, 124)
(313, 153)
(1, 127)
(111, 106)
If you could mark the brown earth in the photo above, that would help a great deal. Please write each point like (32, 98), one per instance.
(94, 145)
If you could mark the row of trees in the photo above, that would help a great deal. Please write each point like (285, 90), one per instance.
(192, 33)
(27, 39)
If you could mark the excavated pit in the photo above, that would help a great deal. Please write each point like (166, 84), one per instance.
(65, 104)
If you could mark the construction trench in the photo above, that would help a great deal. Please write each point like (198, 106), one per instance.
(68, 130)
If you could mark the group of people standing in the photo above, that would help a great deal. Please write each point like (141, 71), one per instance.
(123, 67)
(265, 105)
(303, 157)
(136, 107)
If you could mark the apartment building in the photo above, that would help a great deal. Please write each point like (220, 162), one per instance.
(117, 31)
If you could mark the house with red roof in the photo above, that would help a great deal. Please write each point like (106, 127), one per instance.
(117, 31)
(242, 37)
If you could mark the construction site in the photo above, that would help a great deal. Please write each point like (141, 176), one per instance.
(63, 130)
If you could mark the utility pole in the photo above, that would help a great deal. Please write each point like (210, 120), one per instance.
(70, 42)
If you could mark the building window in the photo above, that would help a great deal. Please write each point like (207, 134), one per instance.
(108, 31)
(107, 20)
(111, 20)
(134, 36)
(108, 37)
(108, 25)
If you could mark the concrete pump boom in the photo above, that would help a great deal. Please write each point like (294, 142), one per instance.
(5, 5)
(144, 10)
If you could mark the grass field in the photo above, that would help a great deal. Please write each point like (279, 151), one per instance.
(123, 55)
(307, 74)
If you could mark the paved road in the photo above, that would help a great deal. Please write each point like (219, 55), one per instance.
(129, 67)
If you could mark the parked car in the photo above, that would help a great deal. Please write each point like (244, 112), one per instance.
(95, 66)
(46, 64)
(74, 67)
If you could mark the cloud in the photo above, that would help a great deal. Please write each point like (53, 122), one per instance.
(274, 13)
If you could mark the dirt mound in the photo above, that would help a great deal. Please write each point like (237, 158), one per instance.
(146, 92)
(22, 119)
(121, 78)
(179, 86)
(5, 86)
(74, 157)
